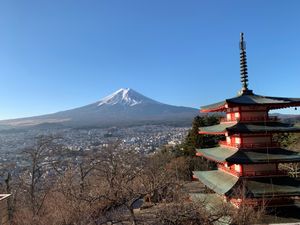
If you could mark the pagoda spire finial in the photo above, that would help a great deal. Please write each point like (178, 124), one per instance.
(243, 65)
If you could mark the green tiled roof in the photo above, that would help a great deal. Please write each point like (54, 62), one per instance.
(218, 154)
(247, 156)
(252, 99)
(213, 106)
(269, 187)
(250, 128)
(219, 182)
(219, 128)
(226, 184)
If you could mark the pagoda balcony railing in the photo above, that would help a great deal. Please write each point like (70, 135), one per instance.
(228, 170)
(251, 145)
(264, 173)
(250, 119)
(225, 120)
(268, 202)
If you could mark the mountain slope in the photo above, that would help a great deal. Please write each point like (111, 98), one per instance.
(123, 107)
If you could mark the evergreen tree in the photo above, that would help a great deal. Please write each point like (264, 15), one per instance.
(194, 140)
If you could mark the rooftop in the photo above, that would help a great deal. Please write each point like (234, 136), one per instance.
(252, 156)
(239, 127)
(253, 99)
(229, 185)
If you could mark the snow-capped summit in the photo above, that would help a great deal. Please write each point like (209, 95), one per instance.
(125, 96)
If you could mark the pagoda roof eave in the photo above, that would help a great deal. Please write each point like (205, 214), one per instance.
(249, 156)
(216, 107)
(252, 99)
(214, 180)
(212, 133)
(240, 127)
(216, 154)
(229, 185)
(272, 186)
(216, 129)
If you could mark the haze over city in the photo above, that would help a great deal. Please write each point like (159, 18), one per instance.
(57, 55)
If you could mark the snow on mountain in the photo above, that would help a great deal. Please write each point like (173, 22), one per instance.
(125, 96)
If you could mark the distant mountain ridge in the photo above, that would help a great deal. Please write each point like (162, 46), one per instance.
(124, 107)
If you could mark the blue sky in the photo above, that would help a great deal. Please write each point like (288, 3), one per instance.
(60, 54)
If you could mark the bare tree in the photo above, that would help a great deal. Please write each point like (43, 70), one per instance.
(104, 186)
(293, 169)
(108, 184)
(37, 177)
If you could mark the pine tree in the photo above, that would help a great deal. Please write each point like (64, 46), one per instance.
(194, 140)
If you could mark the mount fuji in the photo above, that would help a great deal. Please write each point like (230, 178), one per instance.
(124, 107)
(127, 97)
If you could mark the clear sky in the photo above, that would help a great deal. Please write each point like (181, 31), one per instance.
(61, 54)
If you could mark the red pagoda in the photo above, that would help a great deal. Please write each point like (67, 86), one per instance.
(248, 171)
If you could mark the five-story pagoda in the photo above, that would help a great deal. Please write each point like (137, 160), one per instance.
(248, 160)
